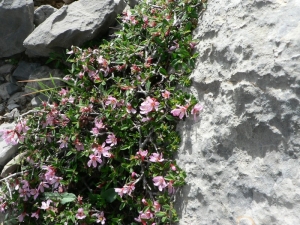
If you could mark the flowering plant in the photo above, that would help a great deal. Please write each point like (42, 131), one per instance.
(101, 150)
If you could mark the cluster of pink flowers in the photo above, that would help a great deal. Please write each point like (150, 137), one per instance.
(98, 127)
(126, 189)
(98, 151)
(47, 179)
(16, 135)
(160, 182)
(181, 111)
(54, 117)
(149, 105)
(127, 17)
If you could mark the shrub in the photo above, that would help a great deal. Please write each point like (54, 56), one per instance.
(102, 150)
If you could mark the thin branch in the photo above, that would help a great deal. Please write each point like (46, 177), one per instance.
(12, 175)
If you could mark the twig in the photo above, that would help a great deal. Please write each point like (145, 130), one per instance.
(7, 184)
(12, 175)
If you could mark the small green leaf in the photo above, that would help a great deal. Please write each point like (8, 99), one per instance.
(67, 197)
(109, 195)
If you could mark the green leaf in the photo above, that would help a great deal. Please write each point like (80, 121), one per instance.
(109, 195)
(63, 197)
(67, 197)
(148, 84)
(160, 214)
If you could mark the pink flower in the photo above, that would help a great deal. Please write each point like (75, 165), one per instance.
(156, 206)
(78, 145)
(180, 111)
(160, 182)
(42, 185)
(142, 154)
(130, 188)
(95, 131)
(149, 105)
(111, 139)
(63, 142)
(155, 157)
(93, 160)
(144, 216)
(171, 189)
(196, 110)
(35, 193)
(24, 193)
(173, 167)
(2, 207)
(166, 94)
(71, 99)
(129, 109)
(10, 136)
(46, 205)
(55, 181)
(63, 92)
(35, 214)
(121, 191)
(80, 214)
(144, 202)
(111, 101)
(21, 217)
(100, 217)
(103, 62)
(145, 119)
(99, 124)
(101, 150)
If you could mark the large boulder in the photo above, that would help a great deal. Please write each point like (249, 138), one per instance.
(242, 155)
(16, 24)
(73, 24)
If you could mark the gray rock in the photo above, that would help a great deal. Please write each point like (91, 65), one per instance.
(42, 13)
(6, 69)
(73, 24)
(2, 108)
(24, 69)
(7, 151)
(8, 89)
(37, 101)
(13, 114)
(16, 18)
(12, 106)
(17, 98)
(242, 155)
(13, 165)
(43, 72)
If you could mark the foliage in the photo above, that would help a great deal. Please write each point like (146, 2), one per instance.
(101, 151)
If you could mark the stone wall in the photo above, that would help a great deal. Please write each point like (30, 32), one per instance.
(242, 156)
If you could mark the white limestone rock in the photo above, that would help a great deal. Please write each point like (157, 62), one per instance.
(7, 151)
(242, 155)
(73, 24)
(16, 24)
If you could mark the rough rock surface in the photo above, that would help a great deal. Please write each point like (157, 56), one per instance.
(16, 24)
(42, 13)
(24, 69)
(73, 24)
(6, 151)
(242, 155)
